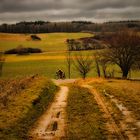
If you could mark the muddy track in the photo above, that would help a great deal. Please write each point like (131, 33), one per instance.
(127, 127)
(128, 122)
(111, 124)
(51, 126)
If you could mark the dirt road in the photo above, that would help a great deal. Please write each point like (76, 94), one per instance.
(51, 126)
(122, 129)
(112, 126)
(61, 81)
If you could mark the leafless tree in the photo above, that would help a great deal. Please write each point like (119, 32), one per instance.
(96, 58)
(83, 64)
(104, 64)
(2, 60)
(70, 46)
(69, 62)
(101, 63)
(124, 50)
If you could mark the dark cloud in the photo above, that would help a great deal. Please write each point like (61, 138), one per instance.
(95, 10)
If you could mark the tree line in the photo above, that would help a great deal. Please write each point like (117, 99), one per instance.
(74, 26)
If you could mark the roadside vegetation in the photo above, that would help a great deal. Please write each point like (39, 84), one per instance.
(124, 90)
(22, 102)
(85, 120)
(122, 99)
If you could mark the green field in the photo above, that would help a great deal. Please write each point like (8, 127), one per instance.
(54, 45)
(49, 41)
(54, 57)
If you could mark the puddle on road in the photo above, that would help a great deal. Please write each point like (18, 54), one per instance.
(128, 123)
(52, 123)
(138, 124)
(119, 105)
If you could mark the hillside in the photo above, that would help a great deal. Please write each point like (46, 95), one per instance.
(22, 101)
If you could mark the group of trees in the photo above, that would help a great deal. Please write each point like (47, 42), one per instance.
(123, 49)
(74, 26)
(35, 37)
(84, 44)
(20, 50)
(45, 27)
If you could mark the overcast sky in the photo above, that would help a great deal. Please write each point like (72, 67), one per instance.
(12, 11)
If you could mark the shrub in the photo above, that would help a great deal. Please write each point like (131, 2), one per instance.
(21, 51)
(35, 37)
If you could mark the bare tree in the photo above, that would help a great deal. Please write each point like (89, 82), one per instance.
(69, 62)
(104, 64)
(71, 46)
(70, 43)
(83, 64)
(96, 58)
(101, 63)
(124, 50)
(2, 60)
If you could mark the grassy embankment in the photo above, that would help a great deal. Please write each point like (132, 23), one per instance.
(128, 92)
(85, 120)
(26, 100)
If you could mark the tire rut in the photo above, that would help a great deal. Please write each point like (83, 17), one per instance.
(111, 124)
(51, 125)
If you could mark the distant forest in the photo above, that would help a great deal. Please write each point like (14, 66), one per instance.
(74, 26)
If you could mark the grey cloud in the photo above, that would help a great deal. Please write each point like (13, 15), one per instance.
(95, 10)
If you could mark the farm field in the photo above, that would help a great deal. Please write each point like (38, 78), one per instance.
(46, 67)
(49, 41)
(47, 63)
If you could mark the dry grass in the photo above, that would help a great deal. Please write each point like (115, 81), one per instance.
(13, 37)
(24, 107)
(85, 120)
(128, 92)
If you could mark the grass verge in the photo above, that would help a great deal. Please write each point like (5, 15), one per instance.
(24, 109)
(85, 120)
(125, 91)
